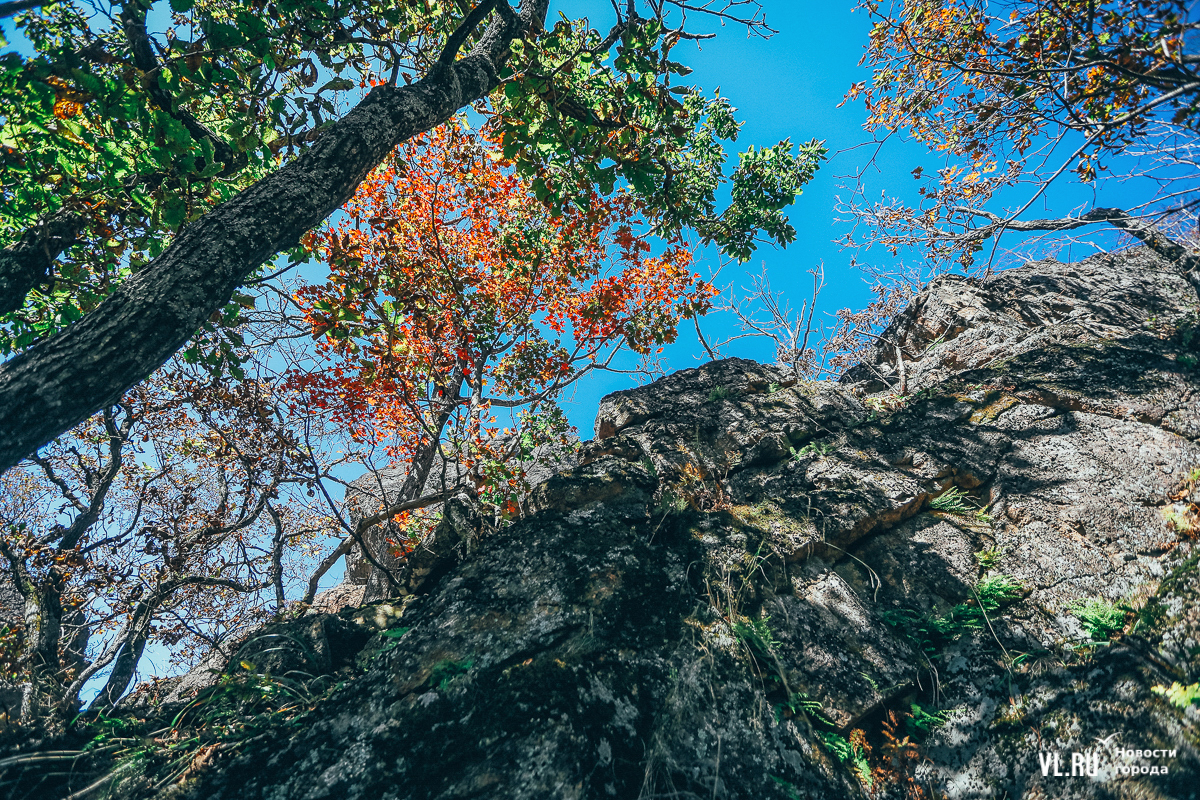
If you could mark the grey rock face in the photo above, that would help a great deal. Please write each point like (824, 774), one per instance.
(375, 490)
(747, 583)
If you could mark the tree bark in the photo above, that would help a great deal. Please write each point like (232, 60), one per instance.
(28, 262)
(60, 382)
(122, 673)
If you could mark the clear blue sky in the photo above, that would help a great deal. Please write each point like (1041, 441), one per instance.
(788, 86)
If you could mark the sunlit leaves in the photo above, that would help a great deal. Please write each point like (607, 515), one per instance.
(138, 149)
(451, 288)
(576, 116)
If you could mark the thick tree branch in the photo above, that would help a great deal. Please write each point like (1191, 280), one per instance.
(29, 261)
(61, 381)
(133, 20)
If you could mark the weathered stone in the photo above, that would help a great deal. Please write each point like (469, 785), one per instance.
(744, 574)
(374, 490)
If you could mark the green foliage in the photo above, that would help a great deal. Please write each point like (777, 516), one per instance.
(932, 633)
(1179, 695)
(997, 591)
(848, 753)
(800, 703)
(671, 501)
(105, 730)
(812, 448)
(1101, 619)
(444, 672)
(952, 501)
(792, 792)
(756, 634)
(920, 723)
(393, 635)
(572, 117)
(989, 558)
(720, 393)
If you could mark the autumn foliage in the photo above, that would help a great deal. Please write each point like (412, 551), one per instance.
(454, 292)
(1018, 95)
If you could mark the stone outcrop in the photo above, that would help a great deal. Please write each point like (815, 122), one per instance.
(374, 490)
(751, 587)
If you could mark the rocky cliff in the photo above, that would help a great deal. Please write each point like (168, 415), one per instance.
(756, 588)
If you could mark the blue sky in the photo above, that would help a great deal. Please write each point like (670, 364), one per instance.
(787, 86)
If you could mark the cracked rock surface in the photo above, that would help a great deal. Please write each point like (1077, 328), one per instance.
(752, 587)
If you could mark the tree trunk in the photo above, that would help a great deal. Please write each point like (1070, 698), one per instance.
(60, 382)
(122, 673)
(28, 262)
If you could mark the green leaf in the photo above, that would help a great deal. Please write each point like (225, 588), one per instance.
(174, 211)
(181, 6)
(337, 85)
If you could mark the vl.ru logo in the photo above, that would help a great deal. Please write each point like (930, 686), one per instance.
(1081, 764)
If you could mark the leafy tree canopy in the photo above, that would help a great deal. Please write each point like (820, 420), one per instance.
(189, 148)
(1017, 95)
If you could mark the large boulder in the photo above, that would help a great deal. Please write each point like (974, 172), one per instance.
(376, 489)
(751, 587)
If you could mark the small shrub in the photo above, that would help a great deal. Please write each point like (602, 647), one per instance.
(1179, 695)
(1100, 619)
